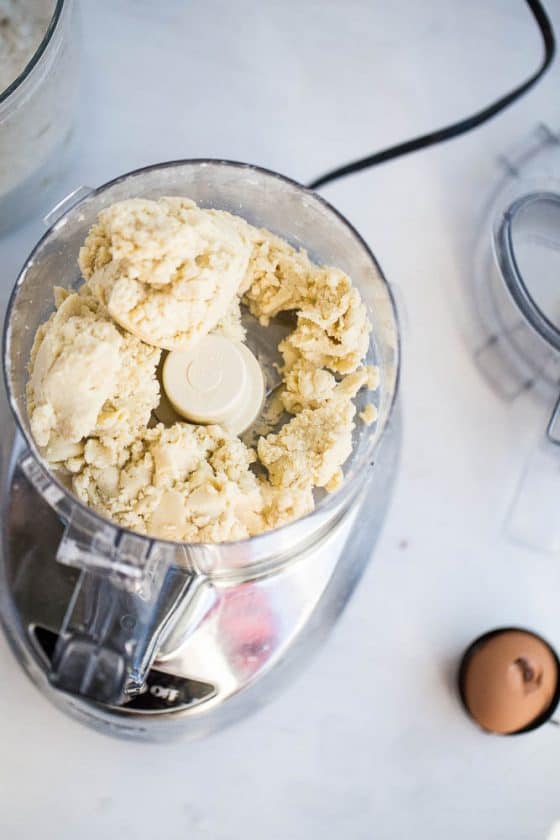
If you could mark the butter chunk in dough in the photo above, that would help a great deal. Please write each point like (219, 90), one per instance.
(73, 370)
(167, 270)
(369, 414)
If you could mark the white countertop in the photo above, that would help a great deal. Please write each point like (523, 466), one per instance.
(370, 742)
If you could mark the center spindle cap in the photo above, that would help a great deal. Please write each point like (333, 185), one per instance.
(217, 381)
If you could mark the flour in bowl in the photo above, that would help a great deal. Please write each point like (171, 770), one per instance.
(23, 24)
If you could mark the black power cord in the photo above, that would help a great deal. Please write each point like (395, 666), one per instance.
(461, 127)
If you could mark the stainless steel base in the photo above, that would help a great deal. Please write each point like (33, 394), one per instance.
(249, 640)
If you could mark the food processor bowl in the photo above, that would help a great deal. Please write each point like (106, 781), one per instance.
(137, 602)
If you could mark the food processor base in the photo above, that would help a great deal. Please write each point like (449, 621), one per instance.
(248, 638)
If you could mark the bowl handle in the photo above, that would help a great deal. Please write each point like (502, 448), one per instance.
(135, 598)
(119, 617)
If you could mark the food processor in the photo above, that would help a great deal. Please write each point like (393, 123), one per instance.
(148, 638)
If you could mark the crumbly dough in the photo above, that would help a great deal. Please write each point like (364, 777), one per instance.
(310, 448)
(92, 387)
(188, 483)
(230, 324)
(313, 445)
(369, 414)
(166, 273)
(166, 270)
(332, 325)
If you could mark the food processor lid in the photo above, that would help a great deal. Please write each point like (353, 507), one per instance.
(515, 326)
(516, 293)
(527, 246)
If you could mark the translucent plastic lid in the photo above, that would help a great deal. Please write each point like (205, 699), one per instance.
(527, 242)
(510, 293)
(516, 329)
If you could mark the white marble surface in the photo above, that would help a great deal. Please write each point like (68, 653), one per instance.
(370, 742)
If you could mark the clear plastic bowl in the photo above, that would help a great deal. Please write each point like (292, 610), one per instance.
(36, 118)
(264, 199)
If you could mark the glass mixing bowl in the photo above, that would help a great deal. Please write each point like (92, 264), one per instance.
(126, 562)
(36, 117)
